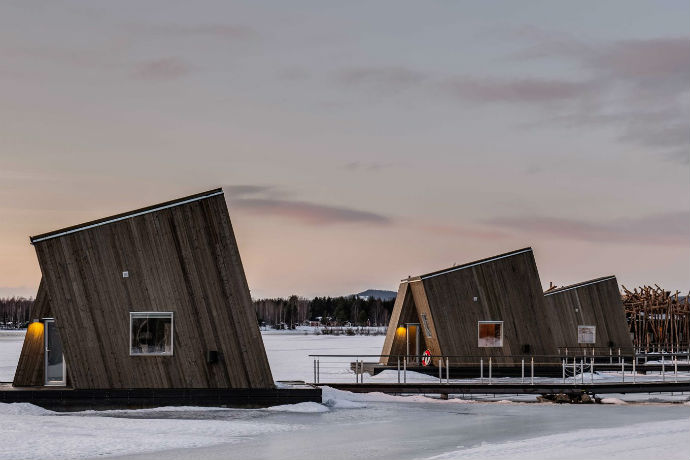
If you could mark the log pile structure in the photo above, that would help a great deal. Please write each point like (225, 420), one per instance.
(658, 320)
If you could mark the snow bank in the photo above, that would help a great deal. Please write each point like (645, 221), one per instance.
(301, 408)
(344, 404)
(612, 401)
(668, 440)
(22, 409)
(162, 409)
(345, 399)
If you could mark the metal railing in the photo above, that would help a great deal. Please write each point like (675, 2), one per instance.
(574, 368)
(617, 354)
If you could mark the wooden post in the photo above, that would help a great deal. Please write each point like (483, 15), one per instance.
(532, 370)
(447, 370)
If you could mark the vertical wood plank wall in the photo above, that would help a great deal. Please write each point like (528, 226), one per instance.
(508, 289)
(31, 366)
(183, 259)
(598, 303)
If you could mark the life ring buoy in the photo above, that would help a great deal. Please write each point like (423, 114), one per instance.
(426, 358)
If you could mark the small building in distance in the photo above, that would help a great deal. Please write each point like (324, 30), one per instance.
(588, 314)
(493, 307)
(152, 298)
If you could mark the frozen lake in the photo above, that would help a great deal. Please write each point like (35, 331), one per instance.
(346, 425)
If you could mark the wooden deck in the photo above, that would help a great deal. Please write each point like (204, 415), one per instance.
(70, 399)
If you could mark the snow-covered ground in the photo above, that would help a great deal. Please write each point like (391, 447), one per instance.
(349, 425)
(10, 348)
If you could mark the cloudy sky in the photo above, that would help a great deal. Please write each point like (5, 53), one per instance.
(358, 142)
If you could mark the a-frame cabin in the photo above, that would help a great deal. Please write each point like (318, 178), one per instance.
(588, 314)
(492, 307)
(152, 298)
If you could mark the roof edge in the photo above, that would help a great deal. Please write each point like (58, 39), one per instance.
(581, 284)
(125, 215)
(470, 264)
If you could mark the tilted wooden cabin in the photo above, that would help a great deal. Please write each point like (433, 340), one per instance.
(588, 314)
(152, 298)
(491, 307)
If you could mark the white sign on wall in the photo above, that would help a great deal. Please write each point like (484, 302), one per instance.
(586, 334)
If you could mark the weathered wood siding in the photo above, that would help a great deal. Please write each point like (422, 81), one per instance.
(31, 365)
(508, 289)
(423, 308)
(591, 303)
(403, 312)
(181, 259)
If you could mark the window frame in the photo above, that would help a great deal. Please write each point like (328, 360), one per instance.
(479, 323)
(147, 314)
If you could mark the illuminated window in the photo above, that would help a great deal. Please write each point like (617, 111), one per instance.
(151, 333)
(490, 334)
(427, 329)
(586, 334)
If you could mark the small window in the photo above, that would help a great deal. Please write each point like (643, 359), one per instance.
(586, 334)
(490, 334)
(427, 329)
(151, 333)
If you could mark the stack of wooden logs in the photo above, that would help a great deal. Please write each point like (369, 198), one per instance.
(658, 319)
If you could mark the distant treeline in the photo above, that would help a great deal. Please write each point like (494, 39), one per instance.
(15, 311)
(293, 311)
(329, 311)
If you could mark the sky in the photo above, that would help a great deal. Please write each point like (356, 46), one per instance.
(358, 142)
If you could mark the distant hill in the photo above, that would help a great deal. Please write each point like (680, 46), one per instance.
(377, 294)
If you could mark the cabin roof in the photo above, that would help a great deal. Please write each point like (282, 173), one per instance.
(467, 265)
(125, 215)
(581, 284)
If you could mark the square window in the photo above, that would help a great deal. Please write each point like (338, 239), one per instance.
(490, 334)
(151, 333)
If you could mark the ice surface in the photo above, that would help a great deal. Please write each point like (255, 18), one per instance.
(348, 425)
(289, 360)
(33, 433)
(656, 440)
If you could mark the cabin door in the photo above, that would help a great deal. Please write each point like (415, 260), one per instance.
(413, 345)
(54, 359)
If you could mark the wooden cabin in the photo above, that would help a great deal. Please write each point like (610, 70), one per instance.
(588, 315)
(152, 298)
(492, 307)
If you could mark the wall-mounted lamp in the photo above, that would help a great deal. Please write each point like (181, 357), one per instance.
(35, 329)
(125, 274)
(475, 298)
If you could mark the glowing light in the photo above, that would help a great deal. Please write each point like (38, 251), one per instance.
(400, 330)
(35, 329)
